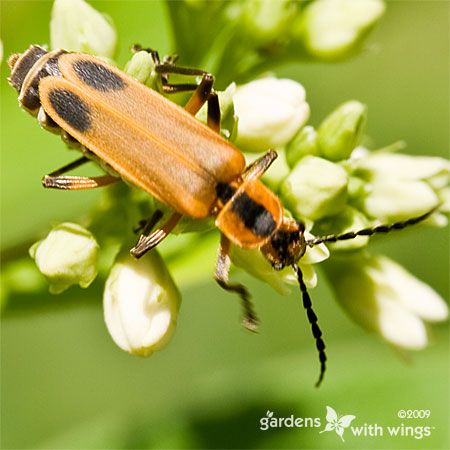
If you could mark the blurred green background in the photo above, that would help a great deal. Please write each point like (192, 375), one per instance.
(66, 385)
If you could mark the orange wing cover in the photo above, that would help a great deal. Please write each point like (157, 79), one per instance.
(151, 142)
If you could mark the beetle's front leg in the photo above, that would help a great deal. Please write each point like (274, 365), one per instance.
(259, 166)
(148, 240)
(221, 276)
(54, 180)
(203, 92)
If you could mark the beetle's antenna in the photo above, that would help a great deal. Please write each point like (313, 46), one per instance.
(312, 318)
(386, 228)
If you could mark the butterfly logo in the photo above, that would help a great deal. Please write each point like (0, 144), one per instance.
(337, 423)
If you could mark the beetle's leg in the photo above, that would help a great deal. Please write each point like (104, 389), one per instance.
(221, 276)
(146, 243)
(203, 92)
(213, 118)
(145, 226)
(169, 59)
(54, 180)
(258, 167)
(167, 67)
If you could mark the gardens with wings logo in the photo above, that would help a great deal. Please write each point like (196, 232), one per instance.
(337, 423)
(340, 423)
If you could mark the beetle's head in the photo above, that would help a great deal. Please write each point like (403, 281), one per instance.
(286, 246)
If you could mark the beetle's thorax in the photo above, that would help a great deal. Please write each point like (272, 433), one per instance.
(248, 213)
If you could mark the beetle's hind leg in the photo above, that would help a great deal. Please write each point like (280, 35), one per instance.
(221, 276)
(54, 180)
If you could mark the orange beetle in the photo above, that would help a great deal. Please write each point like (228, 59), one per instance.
(139, 136)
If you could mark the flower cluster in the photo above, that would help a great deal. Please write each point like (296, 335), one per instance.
(324, 176)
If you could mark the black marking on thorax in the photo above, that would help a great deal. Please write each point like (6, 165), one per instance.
(71, 108)
(254, 215)
(98, 76)
(224, 192)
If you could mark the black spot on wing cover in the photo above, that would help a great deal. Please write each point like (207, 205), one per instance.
(254, 215)
(98, 76)
(71, 108)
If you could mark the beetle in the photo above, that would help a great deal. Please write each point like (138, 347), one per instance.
(138, 135)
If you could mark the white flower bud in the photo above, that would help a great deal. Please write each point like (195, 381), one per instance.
(304, 143)
(67, 256)
(383, 297)
(315, 188)
(341, 131)
(140, 67)
(266, 20)
(444, 196)
(77, 26)
(392, 200)
(141, 304)
(270, 111)
(254, 262)
(331, 29)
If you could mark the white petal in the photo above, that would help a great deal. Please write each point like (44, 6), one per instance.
(405, 167)
(309, 275)
(374, 300)
(413, 294)
(315, 254)
(393, 200)
(399, 326)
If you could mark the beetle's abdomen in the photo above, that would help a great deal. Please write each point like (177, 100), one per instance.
(21, 64)
(27, 71)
